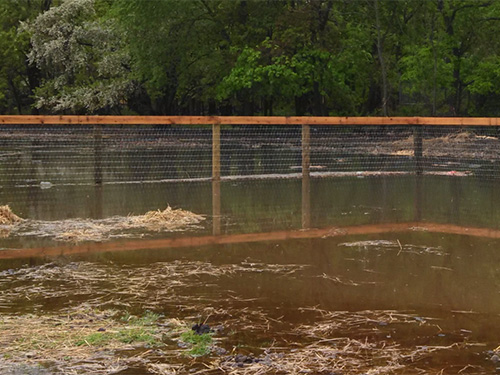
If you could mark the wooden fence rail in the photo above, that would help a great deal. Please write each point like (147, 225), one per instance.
(246, 120)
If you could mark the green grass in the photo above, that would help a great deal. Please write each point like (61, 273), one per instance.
(146, 336)
(149, 318)
(127, 335)
(200, 344)
(138, 330)
(95, 339)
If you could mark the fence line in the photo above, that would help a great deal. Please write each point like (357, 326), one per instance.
(245, 120)
(416, 124)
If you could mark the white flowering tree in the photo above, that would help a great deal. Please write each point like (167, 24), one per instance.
(85, 64)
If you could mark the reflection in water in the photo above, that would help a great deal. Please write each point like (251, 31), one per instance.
(417, 205)
(216, 207)
(98, 203)
(98, 160)
(266, 205)
(306, 201)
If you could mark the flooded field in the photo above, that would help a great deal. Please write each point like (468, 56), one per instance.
(126, 258)
(268, 294)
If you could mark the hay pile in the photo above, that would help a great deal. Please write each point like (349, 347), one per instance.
(97, 230)
(7, 217)
(168, 219)
(460, 144)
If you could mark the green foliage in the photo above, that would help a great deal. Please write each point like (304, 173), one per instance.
(16, 79)
(318, 57)
(486, 77)
(137, 335)
(83, 58)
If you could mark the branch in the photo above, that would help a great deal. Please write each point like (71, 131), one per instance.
(489, 19)
(483, 5)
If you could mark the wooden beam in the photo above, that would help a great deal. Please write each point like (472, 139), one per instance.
(182, 242)
(245, 120)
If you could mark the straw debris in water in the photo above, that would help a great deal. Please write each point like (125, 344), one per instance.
(98, 338)
(83, 340)
(168, 219)
(78, 230)
(7, 217)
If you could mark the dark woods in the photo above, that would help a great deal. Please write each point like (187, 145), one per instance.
(250, 57)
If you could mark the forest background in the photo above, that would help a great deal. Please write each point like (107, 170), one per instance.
(250, 57)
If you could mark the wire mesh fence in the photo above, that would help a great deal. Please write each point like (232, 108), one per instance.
(272, 177)
(58, 155)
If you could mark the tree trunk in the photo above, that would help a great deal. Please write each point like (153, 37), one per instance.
(380, 53)
(434, 75)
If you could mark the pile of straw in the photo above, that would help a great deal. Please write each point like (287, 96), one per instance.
(7, 217)
(77, 230)
(168, 219)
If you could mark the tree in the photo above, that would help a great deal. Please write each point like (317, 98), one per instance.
(177, 50)
(84, 62)
(303, 65)
(18, 80)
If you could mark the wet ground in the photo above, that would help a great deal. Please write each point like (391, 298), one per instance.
(408, 302)
(363, 269)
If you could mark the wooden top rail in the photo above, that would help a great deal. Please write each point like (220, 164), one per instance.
(245, 120)
(183, 242)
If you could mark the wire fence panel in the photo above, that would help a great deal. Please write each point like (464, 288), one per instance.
(71, 154)
(34, 155)
(353, 174)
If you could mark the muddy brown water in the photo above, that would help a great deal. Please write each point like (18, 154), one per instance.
(446, 285)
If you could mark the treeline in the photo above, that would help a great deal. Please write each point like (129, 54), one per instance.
(250, 57)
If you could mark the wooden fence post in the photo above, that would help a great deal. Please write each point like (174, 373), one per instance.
(216, 152)
(306, 183)
(418, 149)
(98, 154)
